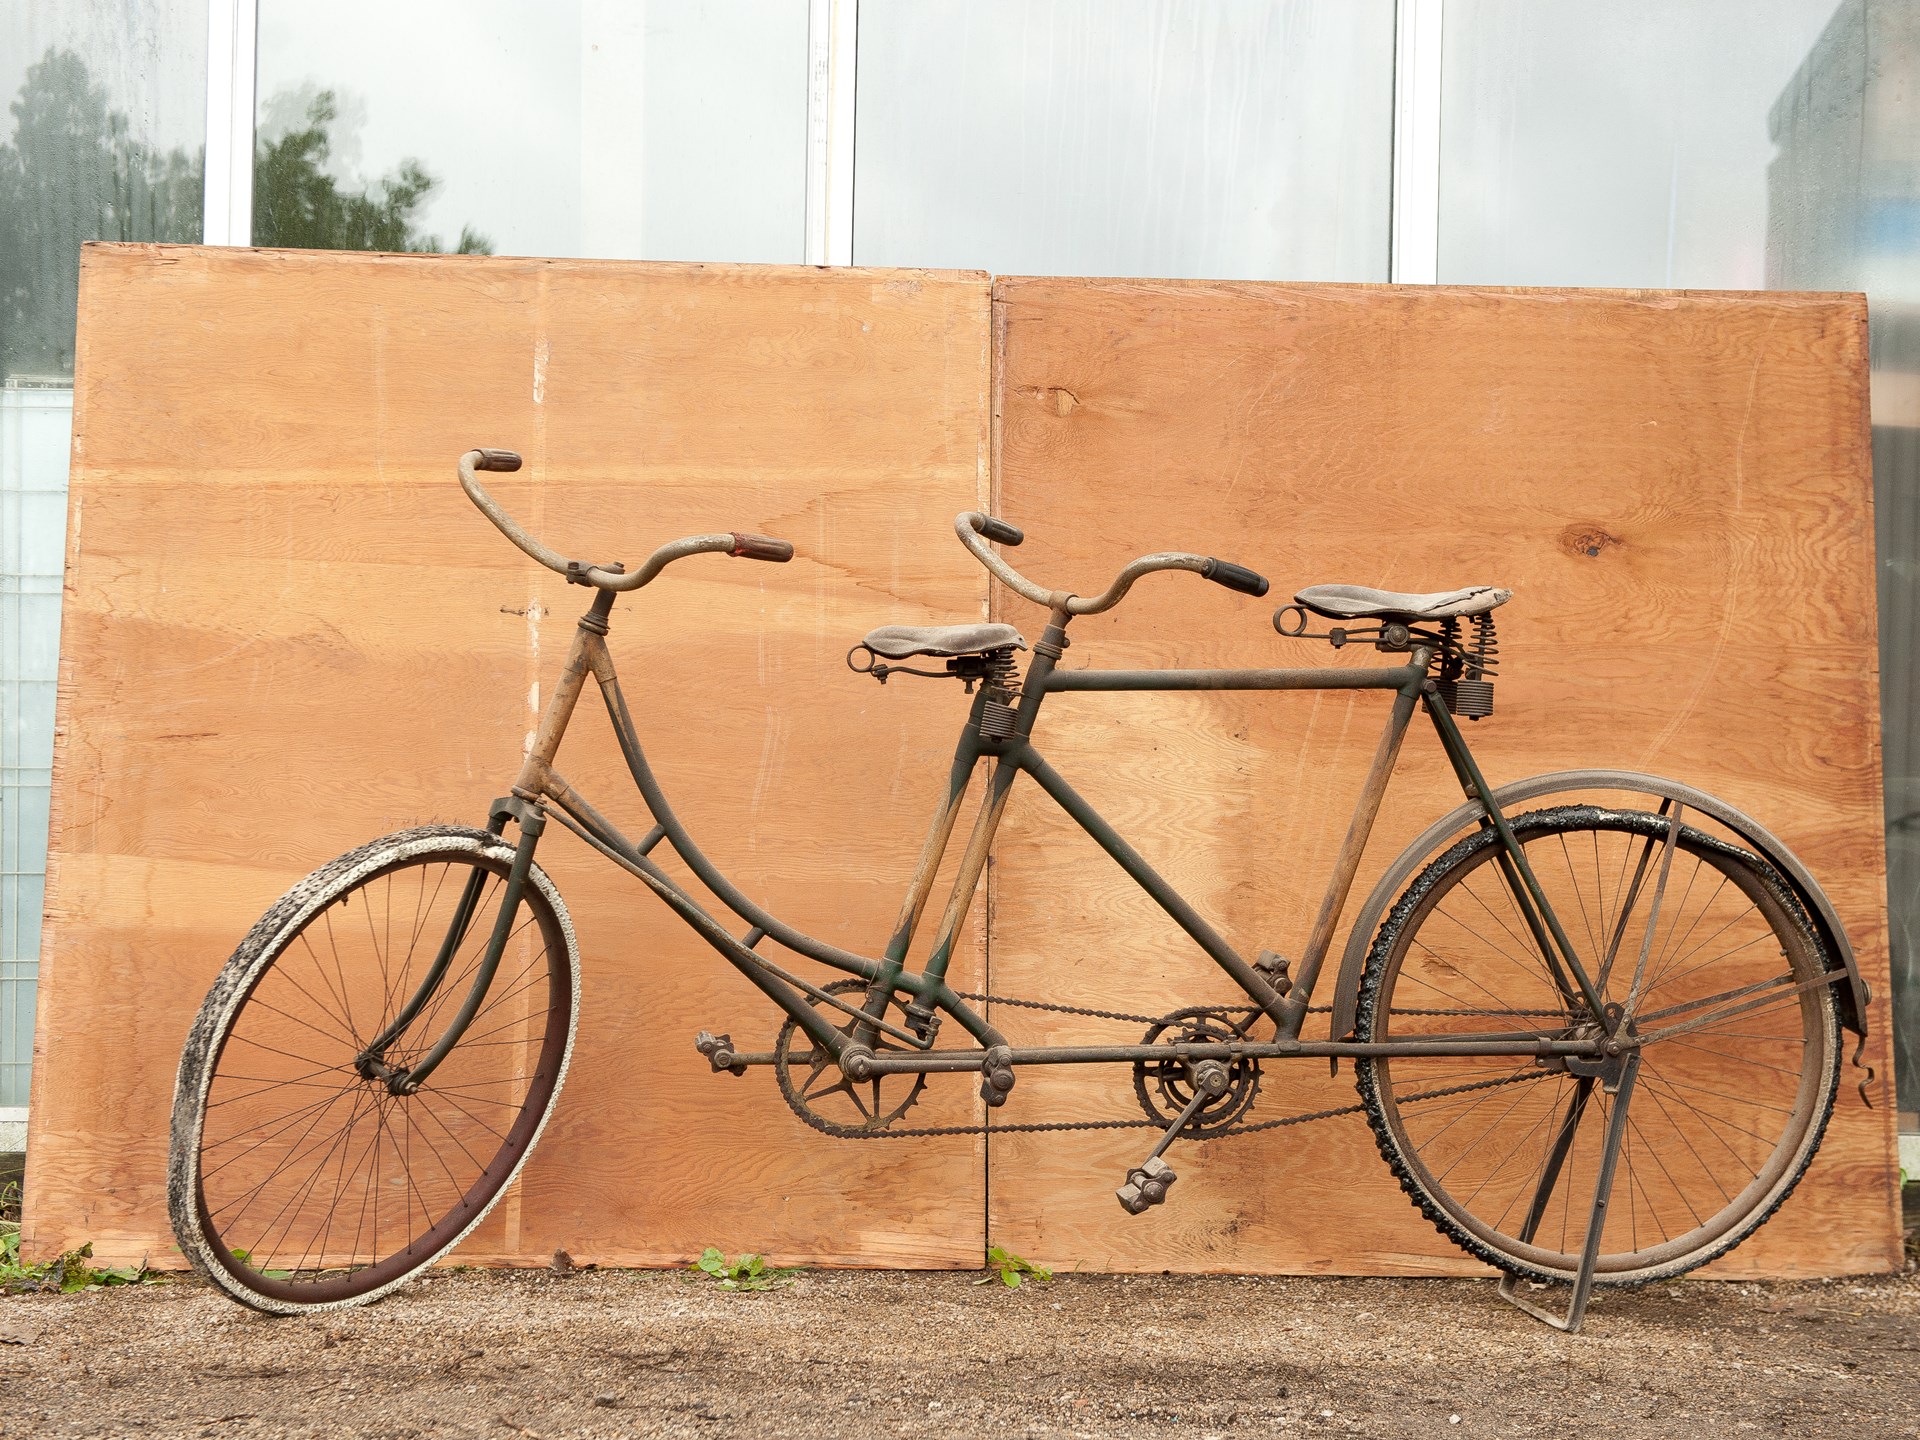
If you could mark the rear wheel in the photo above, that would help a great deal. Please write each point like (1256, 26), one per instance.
(295, 1182)
(1729, 1105)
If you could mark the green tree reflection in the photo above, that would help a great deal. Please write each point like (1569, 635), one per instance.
(297, 203)
(74, 171)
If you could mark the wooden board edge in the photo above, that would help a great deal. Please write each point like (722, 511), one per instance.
(1008, 288)
(165, 252)
(60, 776)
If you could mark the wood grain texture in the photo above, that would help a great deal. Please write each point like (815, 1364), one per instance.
(286, 631)
(1677, 488)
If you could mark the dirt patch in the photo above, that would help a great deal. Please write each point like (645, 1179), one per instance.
(531, 1353)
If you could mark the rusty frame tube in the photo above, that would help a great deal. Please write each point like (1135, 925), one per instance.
(1549, 934)
(1396, 678)
(589, 655)
(1150, 880)
(1517, 1046)
(966, 758)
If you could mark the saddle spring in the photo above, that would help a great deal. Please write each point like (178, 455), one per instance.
(1002, 679)
(1467, 667)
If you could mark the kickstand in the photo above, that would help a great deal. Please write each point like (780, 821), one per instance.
(1602, 1191)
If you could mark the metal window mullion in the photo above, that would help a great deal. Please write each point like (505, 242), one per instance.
(232, 27)
(833, 32)
(1415, 254)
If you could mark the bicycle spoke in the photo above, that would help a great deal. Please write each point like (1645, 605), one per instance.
(1721, 1097)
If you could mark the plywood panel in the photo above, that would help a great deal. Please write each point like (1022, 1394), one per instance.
(1676, 486)
(287, 631)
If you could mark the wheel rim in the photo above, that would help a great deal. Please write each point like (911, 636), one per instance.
(1722, 1118)
(315, 1185)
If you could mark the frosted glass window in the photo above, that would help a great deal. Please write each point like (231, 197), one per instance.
(35, 432)
(1844, 214)
(1247, 139)
(1738, 144)
(611, 128)
(102, 129)
(1620, 144)
(101, 138)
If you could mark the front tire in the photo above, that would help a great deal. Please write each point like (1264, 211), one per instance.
(294, 1183)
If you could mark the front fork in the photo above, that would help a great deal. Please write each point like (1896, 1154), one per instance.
(520, 807)
(404, 1080)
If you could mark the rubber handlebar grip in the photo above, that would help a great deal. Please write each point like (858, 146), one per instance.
(1001, 532)
(1236, 577)
(497, 460)
(761, 547)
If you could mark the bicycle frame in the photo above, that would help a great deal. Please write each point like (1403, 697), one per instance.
(1196, 1069)
(540, 792)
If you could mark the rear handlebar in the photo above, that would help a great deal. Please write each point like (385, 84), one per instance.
(975, 529)
(604, 577)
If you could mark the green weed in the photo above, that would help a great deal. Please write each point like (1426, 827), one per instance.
(66, 1273)
(246, 1258)
(743, 1272)
(1012, 1269)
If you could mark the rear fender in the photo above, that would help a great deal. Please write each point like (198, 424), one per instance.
(1854, 995)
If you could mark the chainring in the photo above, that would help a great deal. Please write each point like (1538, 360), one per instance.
(1164, 1088)
(812, 1084)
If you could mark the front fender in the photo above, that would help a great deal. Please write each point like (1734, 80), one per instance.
(1854, 996)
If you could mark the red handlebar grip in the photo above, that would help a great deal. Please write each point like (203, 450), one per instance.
(497, 460)
(761, 547)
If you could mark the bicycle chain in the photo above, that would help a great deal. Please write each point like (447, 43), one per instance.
(1109, 1014)
(1034, 1127)
(840, 1132)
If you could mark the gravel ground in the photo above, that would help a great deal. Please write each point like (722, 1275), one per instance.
(616, 1353)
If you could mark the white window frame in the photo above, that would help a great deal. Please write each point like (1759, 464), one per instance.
(232, 46)
(833, 44)
(1418, 29)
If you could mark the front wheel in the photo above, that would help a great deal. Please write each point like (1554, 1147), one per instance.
(1501, 1152)
(296, 1182)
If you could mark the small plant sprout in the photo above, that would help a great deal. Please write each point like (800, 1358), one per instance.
(743, 1272)
(1011, 1268)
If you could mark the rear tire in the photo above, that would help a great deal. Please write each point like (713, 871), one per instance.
(295, 1184)
(1724, 1119)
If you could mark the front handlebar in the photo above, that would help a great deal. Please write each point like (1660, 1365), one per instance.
(975, 529)
(605, 577)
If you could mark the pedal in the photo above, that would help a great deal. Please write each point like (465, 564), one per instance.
(719, 1052)
(1146, 1186)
